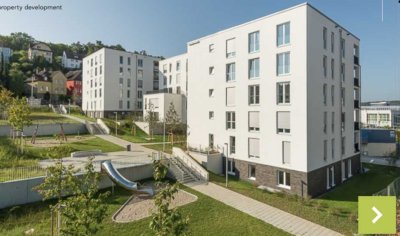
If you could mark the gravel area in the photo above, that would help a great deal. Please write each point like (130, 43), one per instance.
(139, 207)
(51, 142)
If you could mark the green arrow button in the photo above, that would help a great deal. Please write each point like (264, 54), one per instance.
(376, 215)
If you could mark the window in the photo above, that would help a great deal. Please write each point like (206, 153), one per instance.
(211, 70)
(140, 83)
(139, 94)
(333, 148)
(232, 144)
(165, 80)
(128, 93)
(283, 179)
(129, 61)
(100, 93)
(283, 122)
(283, 34)
(170, 80)
(230, 96)
(230, 48)
(139, 105)
(230, 120)
(343, 145)
(383, 117)
(211, 93)
(254, 121)
(211, 48)
(254, 148)
(286, 152)
(154, 102)
(140, 73)
(178, 65)
(332, 68)
(349, 170)
(121, 81)
(325, 122)
(342, 47)
(283, 63)
(342, 72)
(325, 66)
(283, 91)
(121, 70)
(343, 96)
(333, 95)
(332, 42)
(230, 72)
(170, 67)
(372, 117)
(356, 72)
(254, 68)
(325, 36)
(211, 115)
(129, 71)
(333, 122)
(252, 172)
(211, 141)
(330, 177)
(325, 149)
(324, 92)
(128, 105)
(120, 104)
(101, 70)
(140, 62)
(165, 68)
(231, 167)
(178, 90)
(254, 94)
(254, 42)
(178, 79)
(128, 83)
(121, 60)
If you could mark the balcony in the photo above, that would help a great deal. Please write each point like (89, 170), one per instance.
(356, 104)
(356, 125)
(356, 82)
(356, 60)
(356, 147)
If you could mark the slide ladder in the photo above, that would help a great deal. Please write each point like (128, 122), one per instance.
(121, 181)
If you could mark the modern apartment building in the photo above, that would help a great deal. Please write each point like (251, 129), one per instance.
(115, 81)
(380, 116)
(281, 93)
(173, 79)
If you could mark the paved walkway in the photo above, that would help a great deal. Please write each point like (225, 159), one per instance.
(271, 215)
(74, 118)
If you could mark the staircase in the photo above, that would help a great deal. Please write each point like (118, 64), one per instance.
(180, 171)
(93, 128)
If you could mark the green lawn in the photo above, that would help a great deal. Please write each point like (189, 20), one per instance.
(207, 217)
(40, 117)
(168, 147)
(82, 116)
(336, 209)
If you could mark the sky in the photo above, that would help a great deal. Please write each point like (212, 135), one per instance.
(163, 27)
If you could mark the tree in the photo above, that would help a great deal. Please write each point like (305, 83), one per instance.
(151, 118)
(84, 210)
(5, 100)
(19, 116)
(173, 120)
(166, 221)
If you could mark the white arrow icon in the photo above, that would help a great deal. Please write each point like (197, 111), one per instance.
(378, 215)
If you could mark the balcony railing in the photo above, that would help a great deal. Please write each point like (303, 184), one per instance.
(356, 125)
(356, 82)
(356, 104)
(356, 60)
(356, 147)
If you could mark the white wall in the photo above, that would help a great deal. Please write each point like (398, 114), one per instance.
(167, 73)
(393, 112)
(164, 101)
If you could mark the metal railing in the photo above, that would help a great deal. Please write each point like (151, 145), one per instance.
(393, 189)
(18, 173)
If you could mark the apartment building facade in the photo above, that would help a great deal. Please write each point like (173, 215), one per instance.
(280, 95)
(380, 116)
(115, 81)
(173, 80)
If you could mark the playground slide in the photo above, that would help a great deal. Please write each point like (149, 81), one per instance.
(121, 181)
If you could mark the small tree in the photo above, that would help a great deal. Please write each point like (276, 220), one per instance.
(5, 100)
(166, 221)
(151, 118)
(19, 116)
(173, 121)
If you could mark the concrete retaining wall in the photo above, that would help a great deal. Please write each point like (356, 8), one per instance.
(20, 192)
(158, 127)
(47, 129)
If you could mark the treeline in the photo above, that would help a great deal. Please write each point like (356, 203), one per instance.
(20, 68)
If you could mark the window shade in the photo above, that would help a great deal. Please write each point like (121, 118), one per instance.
(286, 152)
(254, 119)
(230, 96)
(254, 147)
(283, 120)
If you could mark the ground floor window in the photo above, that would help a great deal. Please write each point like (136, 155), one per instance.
(330, 177)
(349, 172)
(231, 167)
(252, 172)
(283, 179)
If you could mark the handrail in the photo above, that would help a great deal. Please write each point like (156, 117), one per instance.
(189, 162)
(103, 126)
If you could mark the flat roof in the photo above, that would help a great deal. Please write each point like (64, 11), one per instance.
(195, 41)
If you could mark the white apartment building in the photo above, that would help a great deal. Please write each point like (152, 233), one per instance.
(173, 79)
(281, 93)
(115, 81)
(380, 116)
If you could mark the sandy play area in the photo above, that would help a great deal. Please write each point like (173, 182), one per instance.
(139, 207)
(51, 142)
